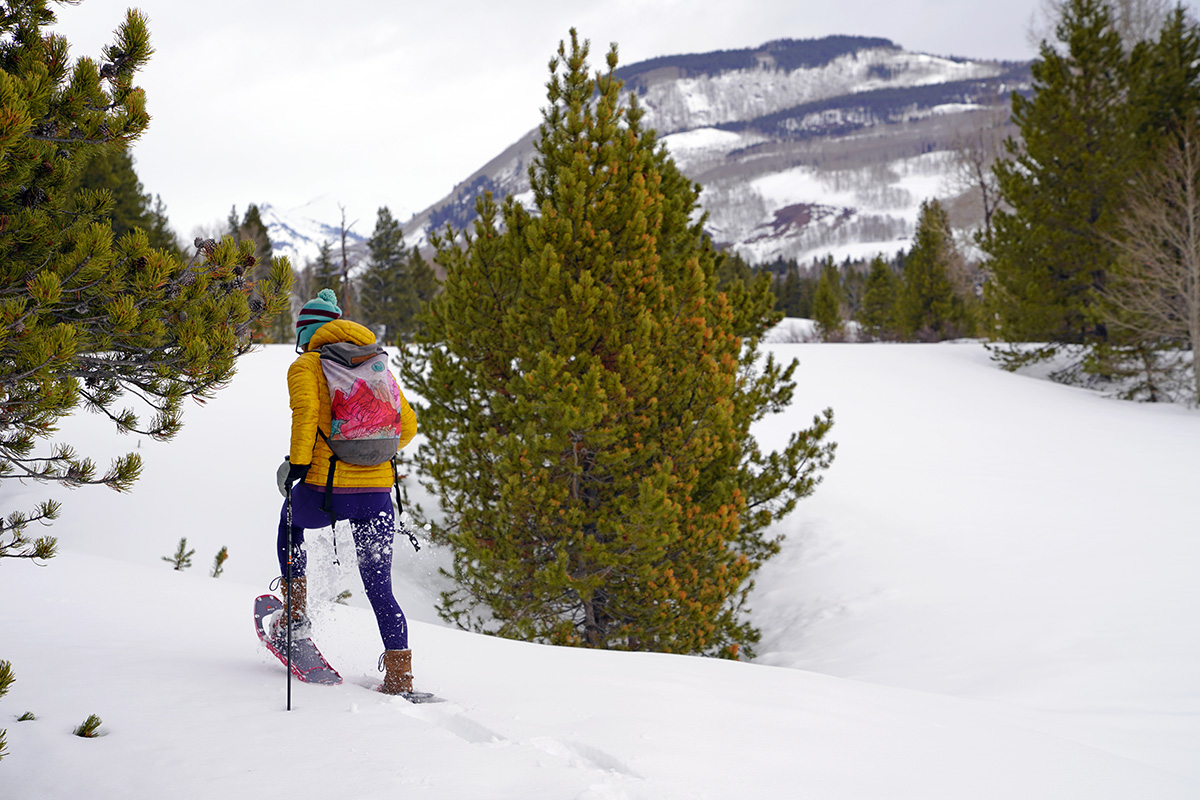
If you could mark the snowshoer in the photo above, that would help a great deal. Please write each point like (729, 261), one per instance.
(360, 494)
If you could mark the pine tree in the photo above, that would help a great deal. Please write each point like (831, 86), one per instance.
(423, 284)
(7, 679)
(1148, 302)
(788, 292)
(111, 169)
(589, 404)
(232, 223)
(827, 311)
(747, 292)
(878, 315)
(387, 297)
(252, 229)
(1063, 183)
(927, 308)
(159, 232)
(1164, 92)
(86, 317)
(181, 559)
(219, 561)
(323, 273)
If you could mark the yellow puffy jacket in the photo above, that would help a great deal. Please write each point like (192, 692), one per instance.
(310, 408)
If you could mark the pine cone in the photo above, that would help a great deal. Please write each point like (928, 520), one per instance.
(32, 197)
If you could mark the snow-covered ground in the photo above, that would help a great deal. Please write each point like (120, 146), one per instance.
(992, 595)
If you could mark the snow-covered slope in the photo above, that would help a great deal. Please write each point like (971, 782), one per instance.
(803, 148)
(298, 233)
(992, 595)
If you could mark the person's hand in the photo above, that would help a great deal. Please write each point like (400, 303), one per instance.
(287, 475)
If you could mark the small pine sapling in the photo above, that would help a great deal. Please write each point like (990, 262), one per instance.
(87, 728)
(6, 680)
(28, 716)
(219, 562)
(182, 558)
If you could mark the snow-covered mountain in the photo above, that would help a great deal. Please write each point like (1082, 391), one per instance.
(802, 147)
(298, 233)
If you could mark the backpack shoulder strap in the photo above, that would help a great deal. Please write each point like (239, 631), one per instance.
(327, 505)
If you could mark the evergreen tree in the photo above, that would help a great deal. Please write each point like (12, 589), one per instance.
(788, 292)
(794, 290)
(878, 315)
(7, 679)
(111, 169)
(387, 298)
(589, 403)
(86, 316)
(159, 232)
(746, 292)
(424, 281)
(252, 229)
(232, 223)
(826, 306)
(1164, 92)
(927, 308)
(324, 273)
(1147, 302)
(1063, 183)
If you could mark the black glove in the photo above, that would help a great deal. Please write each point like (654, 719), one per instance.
(287, 475)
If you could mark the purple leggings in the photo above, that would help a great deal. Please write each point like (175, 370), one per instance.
(373, 524)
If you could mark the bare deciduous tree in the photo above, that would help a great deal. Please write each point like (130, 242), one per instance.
(975, 151)
(1136, 20)
(1156, 294)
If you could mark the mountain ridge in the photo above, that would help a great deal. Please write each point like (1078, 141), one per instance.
(804, 147)
(847, 109)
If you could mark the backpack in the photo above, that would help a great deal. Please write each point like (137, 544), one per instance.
(364, 416)
(364, 401)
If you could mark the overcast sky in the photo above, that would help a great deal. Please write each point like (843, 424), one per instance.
(380, 102)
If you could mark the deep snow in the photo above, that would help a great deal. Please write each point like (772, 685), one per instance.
(992, 595)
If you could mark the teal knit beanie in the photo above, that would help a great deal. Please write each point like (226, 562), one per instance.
(316, 312)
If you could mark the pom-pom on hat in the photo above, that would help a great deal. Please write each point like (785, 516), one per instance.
(316, 312)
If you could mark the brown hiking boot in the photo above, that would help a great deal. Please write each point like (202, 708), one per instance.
(299, 619)
(398, 664)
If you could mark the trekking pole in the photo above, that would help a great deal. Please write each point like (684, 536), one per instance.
(288, 600)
